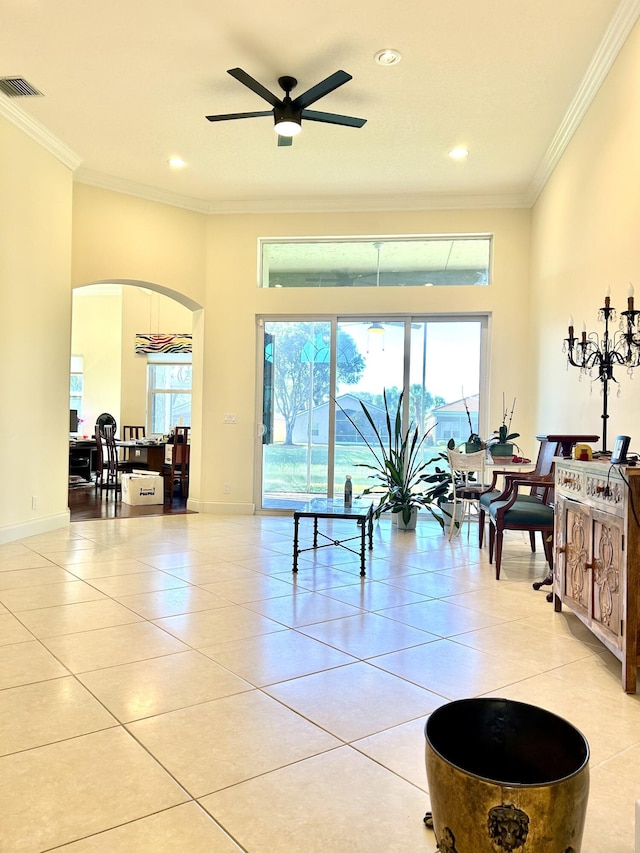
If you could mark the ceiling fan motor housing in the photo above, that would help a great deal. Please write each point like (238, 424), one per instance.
(286, 112)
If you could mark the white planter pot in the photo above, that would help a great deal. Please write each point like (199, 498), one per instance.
(447, 512)
(411, 524)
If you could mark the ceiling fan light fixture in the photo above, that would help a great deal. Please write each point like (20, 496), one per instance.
(287, 119)
(376, 329)
(287, 127)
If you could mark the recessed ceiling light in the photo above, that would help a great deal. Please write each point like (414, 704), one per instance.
(176, 162)
(458, 153)
(388, 57)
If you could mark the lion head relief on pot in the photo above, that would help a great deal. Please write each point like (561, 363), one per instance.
(508, 828)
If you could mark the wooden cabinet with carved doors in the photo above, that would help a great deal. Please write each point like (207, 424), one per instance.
(596, 571)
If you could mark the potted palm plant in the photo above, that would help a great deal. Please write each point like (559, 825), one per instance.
(398, 466)
(441, 487)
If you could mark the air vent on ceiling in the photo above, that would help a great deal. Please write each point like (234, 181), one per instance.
(18, 87)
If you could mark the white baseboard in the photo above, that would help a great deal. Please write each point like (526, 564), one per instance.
(221, 507)
(24, 529)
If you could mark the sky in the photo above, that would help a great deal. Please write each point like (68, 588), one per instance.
(453, 357)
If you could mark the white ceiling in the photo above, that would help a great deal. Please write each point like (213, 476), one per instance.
(127, 85)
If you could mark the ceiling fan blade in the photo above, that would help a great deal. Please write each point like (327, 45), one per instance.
(284, 140)
(332, 118)
(321, 89)
(230, 116)
(256, 87)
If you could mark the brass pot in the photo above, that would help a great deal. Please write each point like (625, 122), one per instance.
(505, 777)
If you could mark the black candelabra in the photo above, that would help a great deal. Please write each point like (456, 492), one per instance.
(597, 355)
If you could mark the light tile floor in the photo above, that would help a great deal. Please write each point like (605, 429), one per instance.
(166, 684)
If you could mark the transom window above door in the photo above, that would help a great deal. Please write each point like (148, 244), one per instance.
(425, 261)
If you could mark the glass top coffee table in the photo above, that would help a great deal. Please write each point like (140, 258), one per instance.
(326, 508)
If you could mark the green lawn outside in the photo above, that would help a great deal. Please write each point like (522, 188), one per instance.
(285, 468)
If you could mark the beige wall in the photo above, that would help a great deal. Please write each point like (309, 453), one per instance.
(118, 237)
(97, 337)
(35, 312)
(584, 239)
(233, 293)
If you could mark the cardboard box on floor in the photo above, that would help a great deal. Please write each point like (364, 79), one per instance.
(142, 489)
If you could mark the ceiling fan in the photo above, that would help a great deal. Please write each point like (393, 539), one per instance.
(287, 112)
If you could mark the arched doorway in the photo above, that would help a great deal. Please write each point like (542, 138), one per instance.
(109, 374)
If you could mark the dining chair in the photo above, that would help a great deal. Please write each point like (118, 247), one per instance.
(133, 433)
(107, 468)
(542, 471)
(532, 516)
(467, 477)
(176, 472)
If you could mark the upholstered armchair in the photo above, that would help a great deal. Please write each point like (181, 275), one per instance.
(542, 472)
(533, 515)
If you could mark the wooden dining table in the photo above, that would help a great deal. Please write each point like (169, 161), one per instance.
(83, 455)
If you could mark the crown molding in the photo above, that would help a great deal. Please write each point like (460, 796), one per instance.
(328, 204)
(362, 204)
(614, 38)
(38, 132)
(143, 191)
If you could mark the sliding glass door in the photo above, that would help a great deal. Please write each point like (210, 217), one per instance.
(295, 412)
(383, 367)
(316, 371)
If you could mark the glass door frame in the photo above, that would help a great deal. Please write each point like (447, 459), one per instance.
(334, 320)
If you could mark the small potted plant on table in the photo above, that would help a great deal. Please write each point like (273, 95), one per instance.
(501, 442)
(474, 443)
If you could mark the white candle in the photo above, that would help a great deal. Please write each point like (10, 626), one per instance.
(584, 327)
(570, 320)
(630, 291)
(608, 291)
